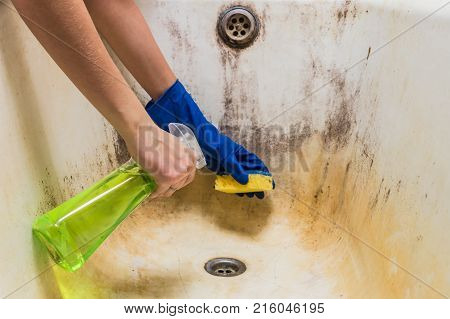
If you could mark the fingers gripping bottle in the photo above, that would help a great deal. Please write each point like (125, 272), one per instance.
(73, 231)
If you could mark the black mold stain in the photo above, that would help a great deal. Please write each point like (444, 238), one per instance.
(49, 199)
(181, 38)
(120, 149)
(69, 186)
(230, 61)
(341, 120)
(319, 190)
(399, 185)
(344, 14)
(343, 190)
(386, 196)
(367, 154)
(241, 120)
(315, 70)
(346, 10)
(375, 200)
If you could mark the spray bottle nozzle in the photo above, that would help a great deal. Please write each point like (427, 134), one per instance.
(189, 140)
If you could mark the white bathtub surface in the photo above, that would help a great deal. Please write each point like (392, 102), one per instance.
(350, 99)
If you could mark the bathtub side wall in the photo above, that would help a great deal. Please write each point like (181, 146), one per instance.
(53, 143)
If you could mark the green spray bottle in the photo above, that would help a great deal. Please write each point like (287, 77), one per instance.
(73, 231)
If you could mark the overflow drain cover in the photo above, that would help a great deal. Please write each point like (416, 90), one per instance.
(225, 267)
(238, 27)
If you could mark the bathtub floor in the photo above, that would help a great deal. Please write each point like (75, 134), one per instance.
(290, 252)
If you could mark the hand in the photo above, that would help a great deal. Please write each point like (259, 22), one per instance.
(223, 155)
(163, 156)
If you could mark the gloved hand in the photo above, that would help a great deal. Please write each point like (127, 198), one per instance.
(222, 154)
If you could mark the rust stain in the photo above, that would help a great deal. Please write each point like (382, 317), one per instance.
(333, 207)
(341, 189)
(336, 205)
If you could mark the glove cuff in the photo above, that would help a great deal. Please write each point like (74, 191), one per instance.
(175, 90)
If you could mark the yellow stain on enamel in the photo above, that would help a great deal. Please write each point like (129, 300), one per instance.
(256, 183)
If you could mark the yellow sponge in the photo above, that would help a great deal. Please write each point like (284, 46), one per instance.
(256, 183)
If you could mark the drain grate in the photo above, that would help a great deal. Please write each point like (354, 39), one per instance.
(238, 27)
(225, 267)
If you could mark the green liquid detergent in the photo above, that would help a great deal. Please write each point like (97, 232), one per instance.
(76, 228)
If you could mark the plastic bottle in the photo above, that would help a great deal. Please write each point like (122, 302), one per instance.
(75, 229)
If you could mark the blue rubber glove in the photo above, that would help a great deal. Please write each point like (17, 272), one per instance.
(222, 154)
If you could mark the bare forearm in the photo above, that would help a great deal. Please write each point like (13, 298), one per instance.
(126, 30)
(67, 32)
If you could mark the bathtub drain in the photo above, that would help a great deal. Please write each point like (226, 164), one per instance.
(225, 267)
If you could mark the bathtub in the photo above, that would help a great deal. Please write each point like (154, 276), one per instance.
(347, 102)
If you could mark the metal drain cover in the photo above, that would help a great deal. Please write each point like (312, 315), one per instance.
(225, 267)
(238, 27)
